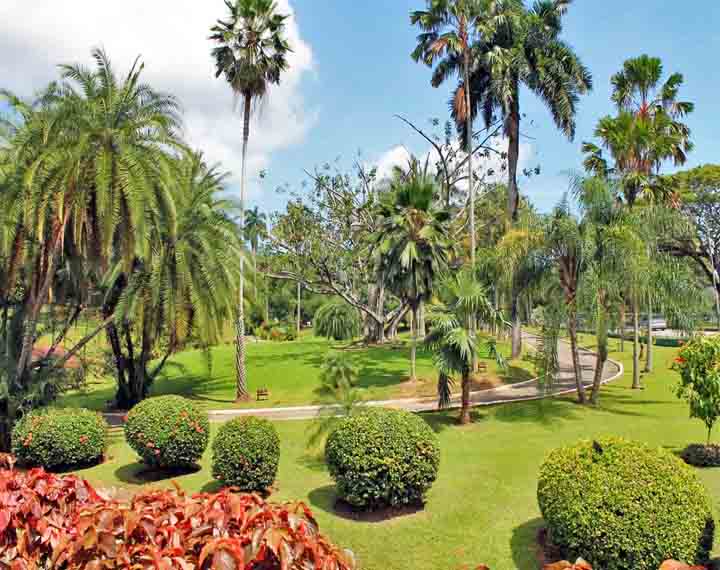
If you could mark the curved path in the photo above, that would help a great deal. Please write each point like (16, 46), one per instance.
(564, 383)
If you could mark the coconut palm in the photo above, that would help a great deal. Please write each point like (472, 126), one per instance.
(414, 246)
(251, 54)
(523, 47)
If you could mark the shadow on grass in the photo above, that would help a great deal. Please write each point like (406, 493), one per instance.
(314, 461)
(526, 552)
(141, 474)
(441, 420)
(545, 412)
(325, 498)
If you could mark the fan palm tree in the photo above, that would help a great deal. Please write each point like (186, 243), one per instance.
(251, 53)
(646, 132)
(523, 47)
(414, 246)
(255, 230)
(454, 350)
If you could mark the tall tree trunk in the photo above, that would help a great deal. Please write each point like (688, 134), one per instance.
(622, 326)
(516, 327)
(512, 130)
(602, 352)
(636, 346)
(465, 404)
(299, 309)
(422, 332)
(241, 392)
(413, 343)
(572, 333)
(649, 355)
(716, 283)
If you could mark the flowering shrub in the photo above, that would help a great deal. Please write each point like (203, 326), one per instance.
(62, 522)
(60, 438)
(167, 432)
(699, 367)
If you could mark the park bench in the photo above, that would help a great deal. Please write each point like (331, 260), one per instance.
(263, 394)
(482, 367)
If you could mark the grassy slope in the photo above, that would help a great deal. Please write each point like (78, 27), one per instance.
(483, 508)
(289, 370)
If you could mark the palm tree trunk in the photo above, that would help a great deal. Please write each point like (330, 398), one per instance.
(512, 130)
(299, 297)
(636, 346)
(465, 406)
(622, 326)
(602, 353)
(421, 321)
(649, 355)
(516, 327)
(572, 333)
(242, 393)
(413, 343)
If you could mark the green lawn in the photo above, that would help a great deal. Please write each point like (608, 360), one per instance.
(291, 371)
(483, 507)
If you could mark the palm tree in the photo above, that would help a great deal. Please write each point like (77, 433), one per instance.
(454, 350)
(413, 246)
(646, 132)
(522, 47)
(255, 230)
(251, 53)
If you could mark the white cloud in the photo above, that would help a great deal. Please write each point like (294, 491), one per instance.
(171, 37)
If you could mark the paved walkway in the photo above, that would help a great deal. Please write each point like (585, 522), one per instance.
(564, 383)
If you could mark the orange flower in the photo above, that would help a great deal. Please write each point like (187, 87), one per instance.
(84, 439)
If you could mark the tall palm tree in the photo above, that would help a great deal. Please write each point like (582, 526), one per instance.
(414, 246)
(251, 54)
(255, 230)
(523, 47)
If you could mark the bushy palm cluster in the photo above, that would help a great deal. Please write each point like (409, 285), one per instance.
(104, 204)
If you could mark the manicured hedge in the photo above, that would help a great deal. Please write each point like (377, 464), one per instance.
(167, 432)
(246, 453)
(56, 438)
(383, 458)
(623, 505)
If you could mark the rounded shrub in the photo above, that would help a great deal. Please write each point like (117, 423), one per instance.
(246, 453)
(623, 505)
(167, 432)
(57, 438)
(382, 458)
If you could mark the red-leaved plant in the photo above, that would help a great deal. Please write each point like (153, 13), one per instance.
(62, 522)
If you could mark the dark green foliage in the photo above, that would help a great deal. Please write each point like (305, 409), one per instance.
(246, 453)
(338, 371)
(337, 320)
(702, 455)
(60, 438)
(623, 505)
(167, 432)
(382, 458)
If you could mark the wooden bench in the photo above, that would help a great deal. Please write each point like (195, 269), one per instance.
(482, 367)
(263, 394)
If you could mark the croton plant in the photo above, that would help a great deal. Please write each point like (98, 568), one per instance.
(48, 521)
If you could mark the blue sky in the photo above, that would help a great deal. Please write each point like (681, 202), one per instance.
(351, 72)
(363, 75)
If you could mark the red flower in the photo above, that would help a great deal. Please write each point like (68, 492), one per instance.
(83, 439)
(125, 418)
(680, 360)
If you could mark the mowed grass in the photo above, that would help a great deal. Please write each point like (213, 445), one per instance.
(483, 507)
(291, 372)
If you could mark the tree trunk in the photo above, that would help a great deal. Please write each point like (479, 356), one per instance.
(299, 309)
(422, 332)
(241, 392)
(602, 354)
(512, 130)
(465, 409)
(649, 355)
(413, 343)
(622, 326)
(572, 333)
(636, 346)
(516, 327)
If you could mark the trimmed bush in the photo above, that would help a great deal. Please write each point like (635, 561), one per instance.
(702, 455)
(383, 458)
(168, 432)
(56, 438)
(624, 505)
(246, 453)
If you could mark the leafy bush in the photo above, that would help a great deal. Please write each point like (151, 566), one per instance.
(276, 332)
(699, 367)
(337, 320)
(167, 432)
(702, 455)
(223, 530)
(338, 371)
(60, 438)
(624, 505)
(383, 458)
(246, 452)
